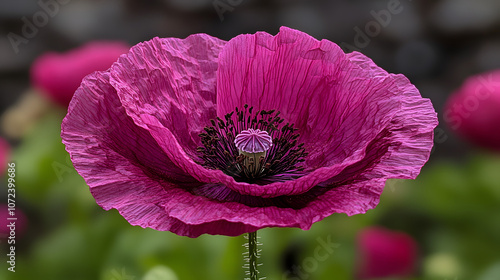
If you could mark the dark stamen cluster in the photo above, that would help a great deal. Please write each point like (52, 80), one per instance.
(282, 161)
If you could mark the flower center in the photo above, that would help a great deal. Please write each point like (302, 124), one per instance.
(252, 147)
(253, 141)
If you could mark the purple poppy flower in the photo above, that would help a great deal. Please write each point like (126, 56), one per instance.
(155, 135)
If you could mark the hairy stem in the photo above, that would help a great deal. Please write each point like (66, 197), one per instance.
(252, 255)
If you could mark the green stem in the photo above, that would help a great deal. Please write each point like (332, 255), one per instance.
(252, 255)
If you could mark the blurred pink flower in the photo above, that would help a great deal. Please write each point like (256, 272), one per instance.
(385, 253)
(58, 75)
(473, 111)
(20, 223)
(4, 155)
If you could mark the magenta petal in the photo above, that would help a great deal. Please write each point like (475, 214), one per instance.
(172, 80)
(197, 210)
(410, 133)
(337, 106)
(352, 198)
(340, 104)
(150, 203)
(98, 134)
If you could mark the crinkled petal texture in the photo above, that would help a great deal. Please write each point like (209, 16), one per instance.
(132, 131)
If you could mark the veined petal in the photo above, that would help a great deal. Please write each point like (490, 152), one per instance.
(107, 148)
(337, 106)
(410, 133)
(174, 81)
(195, 210)
(340, 104)
(167, 207)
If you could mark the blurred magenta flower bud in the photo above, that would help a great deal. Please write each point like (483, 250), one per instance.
(385, 253)
(12, 227)
(473, 111)
(58, 75)
(4, 154)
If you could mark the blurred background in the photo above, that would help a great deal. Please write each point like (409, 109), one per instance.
(443, 225)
